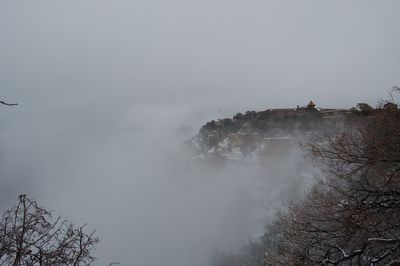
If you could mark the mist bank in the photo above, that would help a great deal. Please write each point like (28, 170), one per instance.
(129, 176)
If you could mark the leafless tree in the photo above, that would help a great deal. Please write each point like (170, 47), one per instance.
(352, 217)
(30, 236)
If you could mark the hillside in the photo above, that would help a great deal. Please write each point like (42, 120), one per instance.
(267, 133)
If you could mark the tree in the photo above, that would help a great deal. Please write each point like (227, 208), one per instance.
(362, 109)
(30, 236)
(351, 217)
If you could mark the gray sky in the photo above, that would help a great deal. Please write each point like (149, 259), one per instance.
(109, 89)
(231, 54)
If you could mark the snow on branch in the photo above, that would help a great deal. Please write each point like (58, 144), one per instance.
(388, 240)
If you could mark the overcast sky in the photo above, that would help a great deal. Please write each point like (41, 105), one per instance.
(108, 89)
(249, 54)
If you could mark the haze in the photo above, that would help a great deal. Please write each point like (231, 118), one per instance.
(109, 90)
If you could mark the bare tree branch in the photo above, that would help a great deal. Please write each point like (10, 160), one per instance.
(29, 236)
(8, 104)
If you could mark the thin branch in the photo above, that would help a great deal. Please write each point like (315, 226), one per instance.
(8, 104)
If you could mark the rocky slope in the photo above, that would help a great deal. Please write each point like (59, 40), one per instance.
(269, 133)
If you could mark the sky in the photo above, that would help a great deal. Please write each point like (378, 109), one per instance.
(109, 90)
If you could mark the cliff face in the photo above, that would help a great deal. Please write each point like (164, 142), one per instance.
(273, 131)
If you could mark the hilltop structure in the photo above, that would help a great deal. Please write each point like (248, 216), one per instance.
(311, 105)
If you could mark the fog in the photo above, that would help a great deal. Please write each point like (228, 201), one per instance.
(109, 90)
